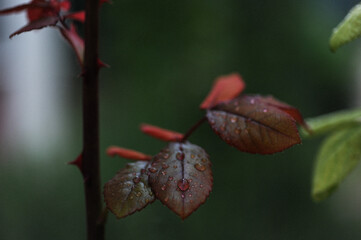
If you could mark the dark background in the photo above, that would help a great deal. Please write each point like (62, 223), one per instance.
(164, 56)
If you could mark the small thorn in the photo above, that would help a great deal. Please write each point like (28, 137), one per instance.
(102, 64)
(78, 162)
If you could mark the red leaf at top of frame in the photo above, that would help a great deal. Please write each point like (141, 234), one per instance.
(127, 153)
(78, 16)
(15, 9)
(37, 24)
(161, 133)
(224, 88)
(41, 8)
(76, 42)
(255, 124)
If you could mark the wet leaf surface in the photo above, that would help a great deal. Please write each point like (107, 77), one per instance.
(181, 177)
(255, 124)
(128, 191)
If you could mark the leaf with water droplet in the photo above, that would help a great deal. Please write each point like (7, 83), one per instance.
(339, 155)
(243, 123)
(347, 30)
(186, 185)
(128, 191)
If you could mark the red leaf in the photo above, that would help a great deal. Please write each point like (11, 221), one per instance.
(76, 42)
(64, 5)
(181, 177)
(127, 153)
(128, 191)
(292, 111)
(161, 133)
(15, 9)
(78, 16)
(37, 24)
(224, 88)
(252, 124)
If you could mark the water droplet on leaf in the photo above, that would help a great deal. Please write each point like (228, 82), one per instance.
(183, 184)
(200, 167)
(136, 180)
(180, 156)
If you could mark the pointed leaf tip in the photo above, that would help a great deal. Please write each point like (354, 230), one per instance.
(127, 153)
(348, 29)
(224, 88)
(37, 24)
(161, 133)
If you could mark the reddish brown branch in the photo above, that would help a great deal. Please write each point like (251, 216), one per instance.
(91, 165)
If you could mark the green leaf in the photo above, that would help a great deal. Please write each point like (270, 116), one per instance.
(338, 156)
(348, 30)
(333, 121)
(128, 191)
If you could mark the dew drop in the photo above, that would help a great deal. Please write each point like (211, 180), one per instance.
(170, 178)
(180, 156)
(265, 110)
(190, 195)
(204, 160)
(252, 101)
(223, 127)
(200, 185)
(165, 166)
(175, 166)
(165, 155)
(152, 170)
(192, 156)
(166, 199)
(183, 184)
(200, 167)
(131, 197)
(154, 164)
(163, 187)
(163, 173)
(136, 180)
(138, 194)
(182, 195)
(233, 119)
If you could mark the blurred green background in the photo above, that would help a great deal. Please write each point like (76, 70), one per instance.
(164, 56)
